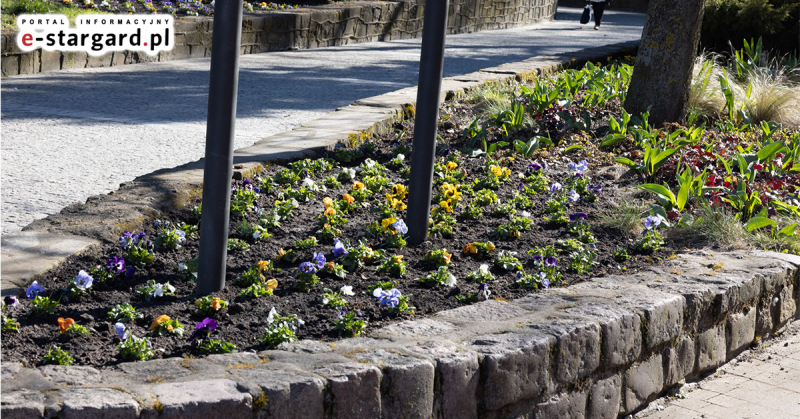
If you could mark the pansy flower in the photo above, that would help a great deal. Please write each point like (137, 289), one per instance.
(573, 196)
(10, 301)
(551, 262)
(116, 264)
(348, 198)
(83, 281)
(65, 324)
(33, 290)
(652, 222)
(160, 319)
(400, 226)
(556, 187)
(484, 289)
(319, 260)
(577, 216)
(121, 331)
(339, 249)
(307, 268)
(387, 298)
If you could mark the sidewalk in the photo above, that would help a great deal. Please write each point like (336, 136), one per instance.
(77, 133)
(760, 383)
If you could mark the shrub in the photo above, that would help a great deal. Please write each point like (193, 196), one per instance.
(728, 22)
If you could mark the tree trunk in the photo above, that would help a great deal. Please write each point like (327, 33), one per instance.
(663, 70)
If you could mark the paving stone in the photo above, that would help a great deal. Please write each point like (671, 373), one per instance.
(355, 390)
(415, 328)
(235, 360)
(25, 254)
(562, 406)
(513, 367)
(740, 330)
(22, 404)
(642, 382)
(9, 369)
(306, 346)
(680, 360)
(287, 394)
(98, 403)
(406, 384)
(72, 375)
(621, 331)
(711, 348)
(209, 399)
(577, 351)
(604, 398)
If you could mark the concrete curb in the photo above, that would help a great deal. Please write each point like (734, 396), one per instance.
(599, 349)
(104, 217)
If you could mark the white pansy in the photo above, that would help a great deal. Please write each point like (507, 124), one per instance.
(484, 269)
(271, 316)
(347, 290)
(451, 281)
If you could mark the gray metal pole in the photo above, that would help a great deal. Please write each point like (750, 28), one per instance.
(431, 61)
(222, 93)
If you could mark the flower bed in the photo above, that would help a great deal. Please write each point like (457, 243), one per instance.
(317, 247)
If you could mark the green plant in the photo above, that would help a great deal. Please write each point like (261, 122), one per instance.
(57, 356)
(237, 244)
(508, 261)
(621, 255)
(393, 265)
(280, 329)
(653, 159)
(209, 305)
(442, 276)
(152, 289)
(306, 243)
(43, 305)
(137, 349)
(350, 323)
(242, 201)
(332, 298)
(124, 313)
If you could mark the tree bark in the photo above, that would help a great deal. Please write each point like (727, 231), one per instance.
(663, 70)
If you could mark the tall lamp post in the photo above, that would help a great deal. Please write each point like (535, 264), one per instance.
(222, 93)
(423, 153)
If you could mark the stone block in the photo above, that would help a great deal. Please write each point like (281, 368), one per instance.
(74, 59)
(786, 305)
(27, 62)
(621, 331)
(680, 361)
(642, 382)
(562, 406)
(604, 399)
(711, 348)
(209, 399)
(355, 390)
(513, 367)
(284, 392)
(577, 351)
(103, 60)
(406, 384)
(764, 320)
(98, 403)
(161, 369)
(457, 376)
(119, 58)
(662, 313)
(49, 61)
(9, 65)
(71, 375)
(490, 310)
(180, 52)
(740, 330)
(22, 405)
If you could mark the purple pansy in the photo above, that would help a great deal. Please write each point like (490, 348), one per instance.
(556, 187)
(83, 281)
(319, 260)
(116, 264)
(207, 323)
(307, 268)
(387, 298)
(33, 290)
(121, 331)
(551, 262)
(130, 271)
(338, 249)
(400, 226)
(577, 216)
(573, 196)
(10, 301)
(652, 222)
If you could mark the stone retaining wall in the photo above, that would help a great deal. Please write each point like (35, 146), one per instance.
(324, 26)
(599, 349)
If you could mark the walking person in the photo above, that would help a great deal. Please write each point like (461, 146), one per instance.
(598, 6)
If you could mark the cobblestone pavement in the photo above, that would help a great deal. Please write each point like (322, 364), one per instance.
(72, 134)
(760, 383)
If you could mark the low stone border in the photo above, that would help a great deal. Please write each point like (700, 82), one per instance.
(599, 349)
(44, 243)
(321, 26)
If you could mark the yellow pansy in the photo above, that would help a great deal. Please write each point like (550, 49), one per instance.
(387, 223)
(158, 321)
(330, 211)
(328, 202)
(272, 284)
(348, 198)
(262, 266)
(357, 185)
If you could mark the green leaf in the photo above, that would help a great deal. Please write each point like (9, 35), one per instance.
(768, 152)
(573, 148)
(659, 190)
(612, 139)
(627, 162)
(683, 195)
(759, 222)
(789, 230)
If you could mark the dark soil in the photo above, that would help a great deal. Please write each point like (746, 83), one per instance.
(244, 321)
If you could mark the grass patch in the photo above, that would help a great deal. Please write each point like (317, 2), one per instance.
(626, 217)
(713, 226)
(492, 98)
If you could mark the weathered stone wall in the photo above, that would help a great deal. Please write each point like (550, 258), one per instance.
(316, 27)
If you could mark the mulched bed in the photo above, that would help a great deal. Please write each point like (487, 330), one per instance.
(244, 321)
